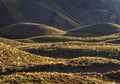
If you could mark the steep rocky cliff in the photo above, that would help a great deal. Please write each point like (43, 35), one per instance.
(64, 14)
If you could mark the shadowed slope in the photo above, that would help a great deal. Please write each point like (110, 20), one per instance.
(25, 30)
(64, 14)
(115, 75)
(14, 59)
(21, 11)
(112, 38)
(48, 38)
(74, 49)
(16, 62)
(95, 30)
(114, 41)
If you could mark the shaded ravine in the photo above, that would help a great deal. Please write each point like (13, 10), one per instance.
(72, 53)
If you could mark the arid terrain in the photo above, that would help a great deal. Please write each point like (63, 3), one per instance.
(64, 50)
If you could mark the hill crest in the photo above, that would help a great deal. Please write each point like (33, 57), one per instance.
(95, 30)
(26, 29)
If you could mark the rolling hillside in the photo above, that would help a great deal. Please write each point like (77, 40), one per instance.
(69, 57)
(59, 42)
(25, 30)
(17, 65)
(95, 30)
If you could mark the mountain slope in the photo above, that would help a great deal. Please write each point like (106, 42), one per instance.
(63, 14)
(87, 12)
(21, 11)
(5, 17)
(25, 30)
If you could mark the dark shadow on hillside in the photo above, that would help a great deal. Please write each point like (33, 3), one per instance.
(114, 41)
(51, 39)
(99, 40)
(99, 68)
(114, 76)
(73, 53)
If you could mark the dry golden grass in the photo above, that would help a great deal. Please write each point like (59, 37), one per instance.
(74, 49)
(12, 43)
(73, 61)
(54, 78)
(13, 59)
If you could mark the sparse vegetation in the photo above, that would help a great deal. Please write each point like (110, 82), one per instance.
(48, 78)
(74, 49)
(52, 59)
(72, 57)
(59, 42)
(45, 55)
